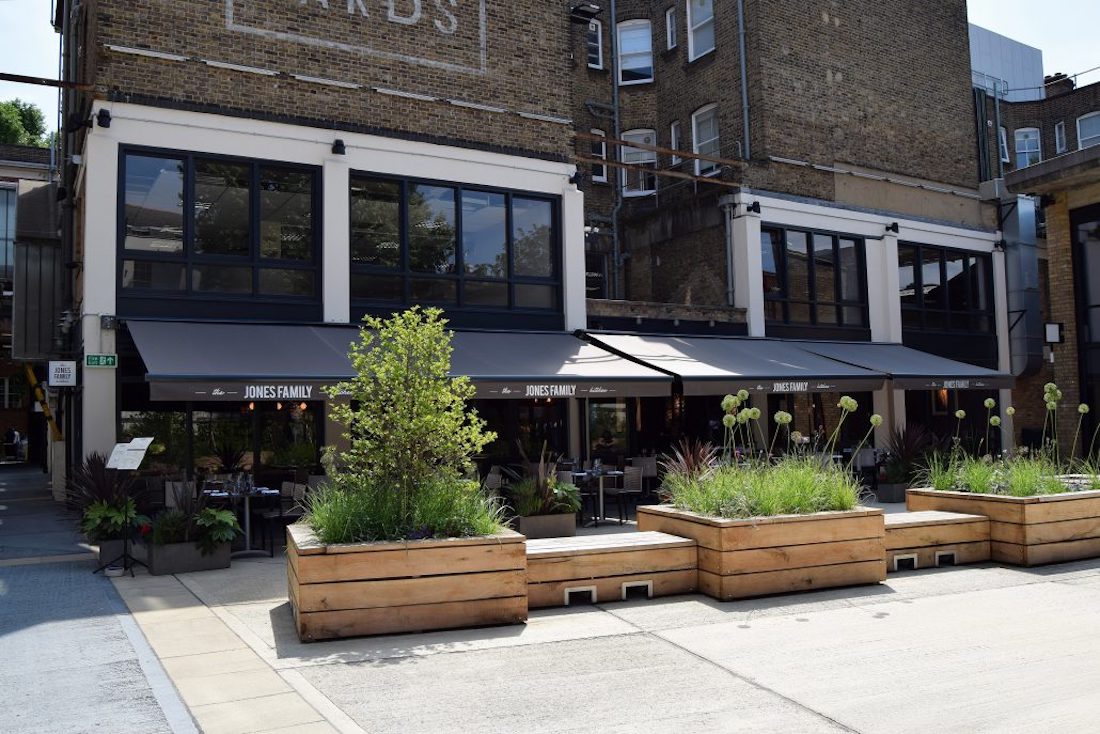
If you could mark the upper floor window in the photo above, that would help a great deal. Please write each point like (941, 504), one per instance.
(595, 44)
(942, 289)
(599, 150)
(212, 226)
(670, 28)
(1002, 138)
(1088, 130)
(455, 246)
(813, 278)
(675, 140)
(700, 23)
(1060, 137)
(635, 52)
(640, 180)
(1028, 147)
(8, 198)
(704, 138)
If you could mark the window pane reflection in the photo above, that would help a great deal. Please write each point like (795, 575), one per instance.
(286, 212)
(153, 204)
(376, 222)
(431, 228)
(221, 208)
(484, 234)
(532, 231)
(220, 279)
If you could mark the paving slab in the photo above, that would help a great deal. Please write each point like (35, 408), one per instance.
(625, 683)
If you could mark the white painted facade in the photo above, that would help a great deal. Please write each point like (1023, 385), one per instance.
(883, 291)
(249, 138)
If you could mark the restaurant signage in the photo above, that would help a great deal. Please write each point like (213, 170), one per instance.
(235, 391)
(278, 392)
(62, 374)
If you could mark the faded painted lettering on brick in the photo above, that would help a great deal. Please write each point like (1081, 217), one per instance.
(448, 34)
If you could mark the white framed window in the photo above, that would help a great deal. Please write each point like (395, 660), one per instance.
(670, 28)
(599, 150)
(639, 182)
(1029, 150)
(704, 138)
(700, 23)
(1088, 130)
(11, 393)
(595, 44)
(1003, 143)
(1060, 137)
(675, 140)
(635, 52)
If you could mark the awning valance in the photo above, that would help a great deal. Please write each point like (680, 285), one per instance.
(202, 361)
(912, 369)
(716, 365)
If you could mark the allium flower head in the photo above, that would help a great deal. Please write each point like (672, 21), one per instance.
(743, 395)
(995, 421)
(728, 420)
(960, 414)
(754, 414)
(990, 403)
(783, 418)
(729, 403)
(848, 404)
(876, 420)
(1010, 410)
(1083, 408)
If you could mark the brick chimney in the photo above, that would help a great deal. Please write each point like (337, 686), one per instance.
(1058, 84)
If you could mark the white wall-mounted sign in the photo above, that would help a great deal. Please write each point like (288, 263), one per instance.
(62, 374)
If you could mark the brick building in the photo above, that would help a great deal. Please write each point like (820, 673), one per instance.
(844, 203)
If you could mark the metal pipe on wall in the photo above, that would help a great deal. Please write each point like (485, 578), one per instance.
(616, 290)
(747, 147)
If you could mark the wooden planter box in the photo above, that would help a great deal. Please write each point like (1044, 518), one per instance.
(562, 525)
(773, 555)
(1026, 531)
(406, 586)
(184, 558)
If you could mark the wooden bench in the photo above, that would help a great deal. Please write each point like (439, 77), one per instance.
(600, 568)
(931, 538)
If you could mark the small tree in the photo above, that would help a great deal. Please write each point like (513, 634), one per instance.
(407, 418)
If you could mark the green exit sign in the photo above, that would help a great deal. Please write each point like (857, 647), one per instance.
(101, 360)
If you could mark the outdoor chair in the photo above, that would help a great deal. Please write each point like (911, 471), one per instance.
(588, 495)
(648, 465)
(291, 508)
(865, 468)
(631, 489)
(494, 480)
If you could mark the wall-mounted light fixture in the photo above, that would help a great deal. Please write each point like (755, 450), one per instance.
(103, 117)
(108, 322)
(338, 147)
(892, 227)
(1054, 333)
(576, 178)
(999, 245)
(753, 207)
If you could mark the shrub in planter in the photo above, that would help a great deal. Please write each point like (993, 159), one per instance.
(400, 539)
(543, 506)
(109, 504)
(763, 527)
(191, 537)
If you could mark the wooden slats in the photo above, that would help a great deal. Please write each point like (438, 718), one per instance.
(389, 620)
(665, 583)
(748, 585)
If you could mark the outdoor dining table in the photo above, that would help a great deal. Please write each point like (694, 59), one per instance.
(248, 495)
(587, 475)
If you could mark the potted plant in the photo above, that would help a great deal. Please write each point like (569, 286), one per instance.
(766, 527)
(108, 503)
(906, 446)
(399, 539)
(191, 536)
(543, 506)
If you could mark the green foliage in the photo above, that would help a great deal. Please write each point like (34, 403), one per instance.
(92, 482)
(193, 521)
(690, 458)
(106, 521)
(796, 485)
(529, 498)
(1019, 475)
(22, 123)
(299, 455)
(410, 436)
(907, 446)
(367, 511)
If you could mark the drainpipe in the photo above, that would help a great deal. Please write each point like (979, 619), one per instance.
(997, 115)
(728, 206)
(616, 246)
(746, 149)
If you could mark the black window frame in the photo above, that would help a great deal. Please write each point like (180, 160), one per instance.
(812, 302)
(190, 259)
(916, 317)
(459, 276)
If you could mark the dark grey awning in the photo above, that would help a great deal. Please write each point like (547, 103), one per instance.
(216, 361)
(186, 360)
(715, 365)
(911, 369)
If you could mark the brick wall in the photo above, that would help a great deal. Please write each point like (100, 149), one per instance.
(1045, 114)
(436, 52)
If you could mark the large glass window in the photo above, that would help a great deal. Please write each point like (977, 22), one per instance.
(599, 151)
(813, 278)
(635, 52)
(462, 247)
(1028, 148)
(700, 22)
(1088, 130)
(249, 233)
(8, 199)
(704, 138)
(642, 179)
(942, 289)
